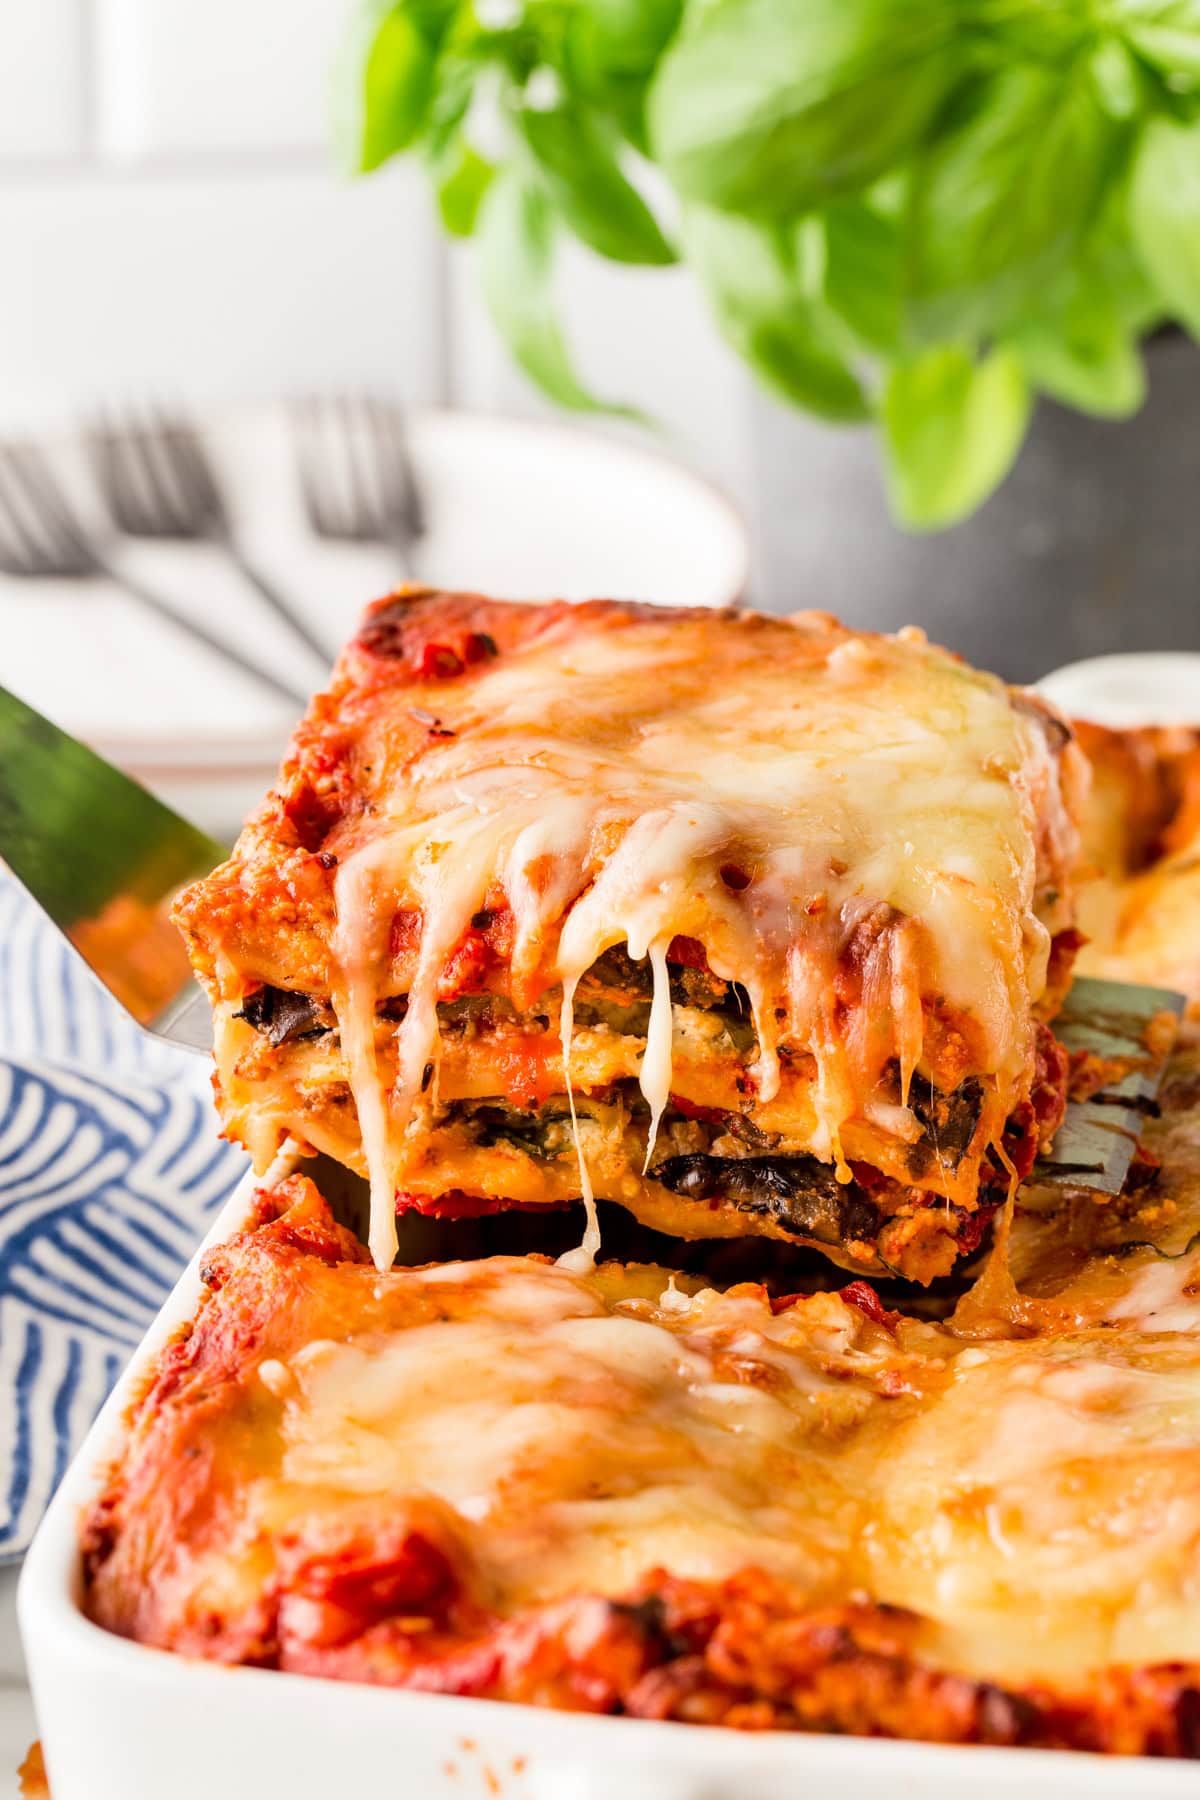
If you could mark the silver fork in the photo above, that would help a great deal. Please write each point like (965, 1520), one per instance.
(158, 481)
(42, 536)
(356, 472)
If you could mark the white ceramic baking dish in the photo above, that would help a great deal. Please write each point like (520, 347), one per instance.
(122, 1722)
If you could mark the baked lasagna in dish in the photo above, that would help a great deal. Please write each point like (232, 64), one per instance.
(620, 1491)
(970, 1515)
(749, 924)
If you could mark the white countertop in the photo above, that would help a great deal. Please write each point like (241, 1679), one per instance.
(17, 1725)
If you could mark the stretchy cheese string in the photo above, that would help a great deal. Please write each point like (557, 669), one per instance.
(655, 1077)
(582, 1259)
(358, 952)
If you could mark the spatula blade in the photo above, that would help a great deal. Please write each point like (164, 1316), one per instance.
(104, 859)
(1134, 1028)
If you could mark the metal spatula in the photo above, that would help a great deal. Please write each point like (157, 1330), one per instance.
(104, 858)
(1133, 1029)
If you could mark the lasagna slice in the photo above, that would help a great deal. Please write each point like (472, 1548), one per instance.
(1141, 836)
(749, 924)
(618, 1491)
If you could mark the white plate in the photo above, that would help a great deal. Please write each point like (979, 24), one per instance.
(520, 510)
(123, 1722)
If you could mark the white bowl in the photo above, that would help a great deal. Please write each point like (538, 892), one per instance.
(123, 1722)
(1140, 687)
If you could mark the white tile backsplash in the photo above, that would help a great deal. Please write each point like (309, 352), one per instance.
(214, 287)
(42, 108)
(176, 77)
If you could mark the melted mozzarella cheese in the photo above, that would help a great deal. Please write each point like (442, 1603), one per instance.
(1046, 1513)
(603, 778)
(579, 1445)
(1161, 1294)
(1037, 1504)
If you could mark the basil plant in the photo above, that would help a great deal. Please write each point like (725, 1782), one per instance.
(918, 213)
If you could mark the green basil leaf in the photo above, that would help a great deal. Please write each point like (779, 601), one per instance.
(775, 106)
(1112, 262)
(1164, 214)
(1123, 87)
(433, 18)
(461, 179)
(609, 50)
(455, 76)
(1079, 352)
(627, 37)
(1031, 28)
(517, 242)
(1165, 33)
(756, 282)
(397, 84)
(862, 272)
(952, 428)
(578, 158)
(1000, 200)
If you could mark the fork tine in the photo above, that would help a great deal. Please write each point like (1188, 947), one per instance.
(123, 489)
(304, 417)
(205, 468)
(24, 551)
(163, 434)
(334, 479)
(339, 492)
(364, 495)
(354, 469)
(130, 492)
(64, 543)
(161, 440)
(110, 471)
(183, 452)
(371, 474)
(141, 519)
(100, 451)
(392, 441)
(166, 516)
(33, 468)
(389, 471)
(133, 463)
(107, 463)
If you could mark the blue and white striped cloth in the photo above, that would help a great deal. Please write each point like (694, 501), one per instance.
(110, 1170)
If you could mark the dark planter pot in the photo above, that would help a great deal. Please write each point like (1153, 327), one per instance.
(1091, 545)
